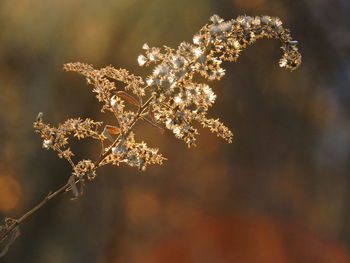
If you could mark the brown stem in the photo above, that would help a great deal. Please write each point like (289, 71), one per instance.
(50, 196)
(7, 229)
(16, 222)
(137, 117)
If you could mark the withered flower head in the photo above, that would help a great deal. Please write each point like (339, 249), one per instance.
(168, 98)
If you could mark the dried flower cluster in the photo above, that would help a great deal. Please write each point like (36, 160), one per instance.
(167, 98)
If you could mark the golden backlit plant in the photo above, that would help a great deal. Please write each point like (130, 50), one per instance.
(168, 99)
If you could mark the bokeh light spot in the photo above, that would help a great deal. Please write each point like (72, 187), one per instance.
(10, 192)
(250, 3)
(142, 206)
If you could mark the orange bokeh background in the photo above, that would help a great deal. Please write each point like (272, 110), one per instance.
(279, 193)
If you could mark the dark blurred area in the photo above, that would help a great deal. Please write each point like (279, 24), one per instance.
(278, 194)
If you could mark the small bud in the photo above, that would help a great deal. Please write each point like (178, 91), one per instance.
(145, 46)
(161, 70)
(113, 101)
(283, 62)
(197, 52)
(47, 144)
(216, 19)
(39, 117)
(141, 60)
(197, 39)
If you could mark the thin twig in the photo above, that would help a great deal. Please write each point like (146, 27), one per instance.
(16, 222)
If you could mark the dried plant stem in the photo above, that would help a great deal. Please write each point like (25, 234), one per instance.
(174, 101)
(16, 222)
(137, 117)
(50, 196)
(32, 211)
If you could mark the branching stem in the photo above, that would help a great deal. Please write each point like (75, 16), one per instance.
(8, 228)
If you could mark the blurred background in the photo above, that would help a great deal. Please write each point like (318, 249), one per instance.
(278, 194)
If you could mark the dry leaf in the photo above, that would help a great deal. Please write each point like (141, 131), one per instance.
(128, 98)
